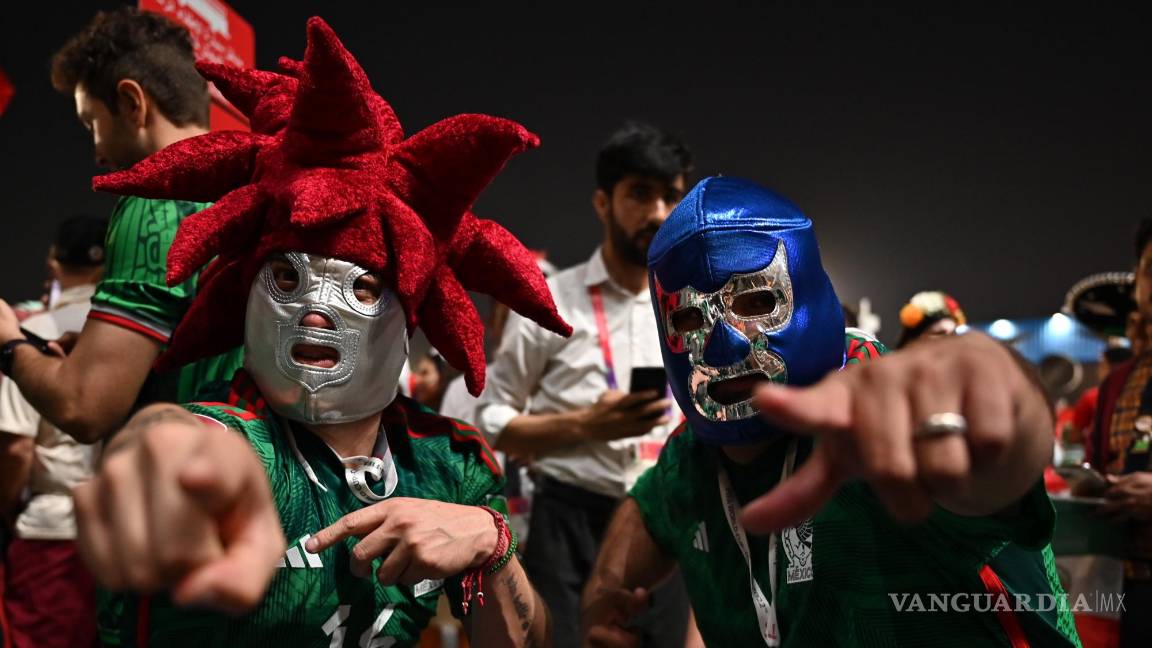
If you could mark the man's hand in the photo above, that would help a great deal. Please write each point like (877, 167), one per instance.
(629, 565)
(418, 539)
(607, 618)
(9, 323)
(1130, 497)
(184, 505)
(868, 417)
(617, 415)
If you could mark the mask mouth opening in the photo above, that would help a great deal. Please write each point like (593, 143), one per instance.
(315, 355)
(736, 389)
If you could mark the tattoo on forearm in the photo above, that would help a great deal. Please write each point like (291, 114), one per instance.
(159, 415)
(523, 612)
(145, 420)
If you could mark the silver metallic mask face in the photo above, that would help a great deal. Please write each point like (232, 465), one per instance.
(323, 375)
(730, 328)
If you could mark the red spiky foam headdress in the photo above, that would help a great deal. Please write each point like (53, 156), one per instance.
(326, 170)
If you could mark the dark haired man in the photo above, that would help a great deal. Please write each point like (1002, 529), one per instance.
(136, 88)
(49, 596)
(588, 437)
(1121, 446)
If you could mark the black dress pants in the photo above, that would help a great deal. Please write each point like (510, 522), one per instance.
(564, 536)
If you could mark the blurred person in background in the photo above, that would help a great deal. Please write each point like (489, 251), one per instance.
(1136, 332)
(1119, 446)
(851, 315)
(133, 78)
(929, 314)
(49, 596)
(1075, 423)
(429, 378)
(566, 403)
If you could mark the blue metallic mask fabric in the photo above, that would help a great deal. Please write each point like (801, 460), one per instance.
(739, 290)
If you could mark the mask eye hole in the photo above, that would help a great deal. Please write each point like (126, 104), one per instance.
(687, 319)
(367, 288)
(284, 274)
(757, 303)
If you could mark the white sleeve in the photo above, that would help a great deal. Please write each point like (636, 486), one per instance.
(17, 416)
(513, 377)
(457, 403)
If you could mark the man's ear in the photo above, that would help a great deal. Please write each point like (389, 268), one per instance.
(602, 203)
(132, 102)
(54, 269)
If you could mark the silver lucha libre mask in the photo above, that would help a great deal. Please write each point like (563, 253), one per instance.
(323, 375)
(728, 337)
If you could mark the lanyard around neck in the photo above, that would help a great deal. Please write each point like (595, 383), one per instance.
(765, 609)
(380, 466)
(602, 331)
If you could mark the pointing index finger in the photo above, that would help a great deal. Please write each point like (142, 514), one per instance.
(357, 523)
(819, 409)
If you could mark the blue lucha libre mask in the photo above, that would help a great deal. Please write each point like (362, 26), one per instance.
(740, 297)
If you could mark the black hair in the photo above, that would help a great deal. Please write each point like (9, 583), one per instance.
(1143, 236)
(1116, 355)
(643, 150)
(148, 48)
(79, 241)
(851, 317)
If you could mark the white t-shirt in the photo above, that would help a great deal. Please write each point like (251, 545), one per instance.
(58, 461)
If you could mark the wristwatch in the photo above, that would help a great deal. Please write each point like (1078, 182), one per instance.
(8, 354)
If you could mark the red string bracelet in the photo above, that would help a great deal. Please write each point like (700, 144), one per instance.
(472, 582)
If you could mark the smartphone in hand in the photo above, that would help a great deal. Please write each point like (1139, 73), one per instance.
(1083, 481)
(649, 379)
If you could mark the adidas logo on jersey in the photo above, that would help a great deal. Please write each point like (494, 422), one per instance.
(700, 542)
(299, 558)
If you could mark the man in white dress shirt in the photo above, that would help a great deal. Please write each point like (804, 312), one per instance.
(49, 596)
(587, 435)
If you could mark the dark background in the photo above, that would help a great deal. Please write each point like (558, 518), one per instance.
(998, 152)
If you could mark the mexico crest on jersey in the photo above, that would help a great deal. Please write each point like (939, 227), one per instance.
(798, 547)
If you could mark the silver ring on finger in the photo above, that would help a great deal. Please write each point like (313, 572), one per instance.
(942, 424)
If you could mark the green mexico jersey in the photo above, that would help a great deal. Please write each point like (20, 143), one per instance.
(134, 292)
(850, 576)
(314, 600)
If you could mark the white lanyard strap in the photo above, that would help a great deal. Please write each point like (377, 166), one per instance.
(765, 610)
(357, 469)
(378, 466)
